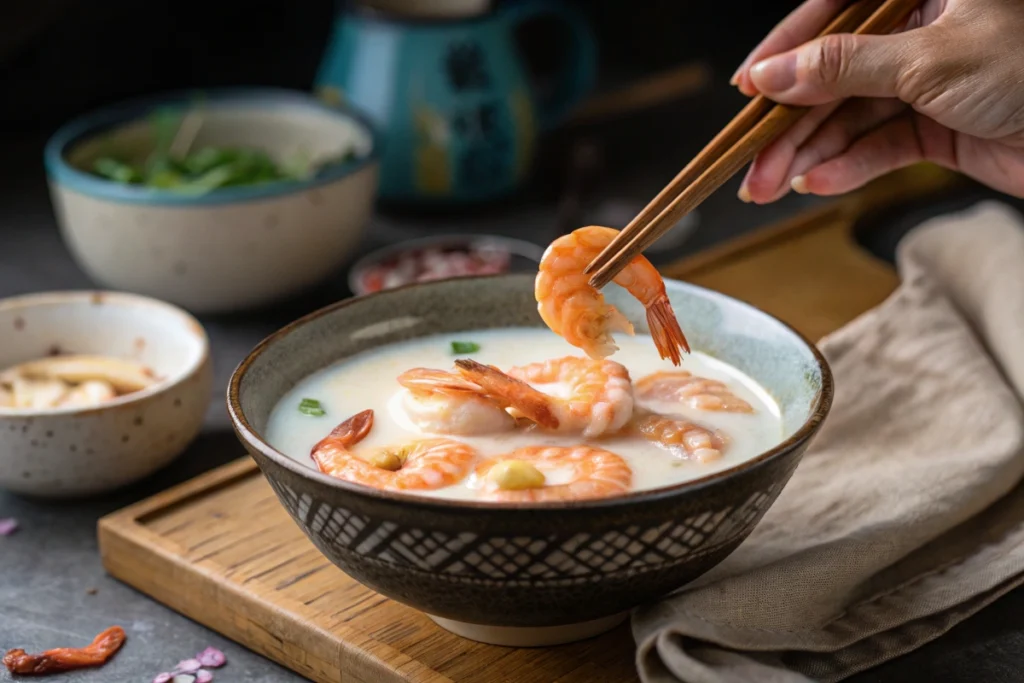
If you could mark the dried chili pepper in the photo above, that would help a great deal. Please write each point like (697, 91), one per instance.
(67, 658)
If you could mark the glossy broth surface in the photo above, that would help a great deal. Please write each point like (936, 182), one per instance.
(368, 380)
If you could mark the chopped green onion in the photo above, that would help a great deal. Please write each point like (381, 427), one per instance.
(459, 347)
(115, 170)
(207, 169)
(311, 406)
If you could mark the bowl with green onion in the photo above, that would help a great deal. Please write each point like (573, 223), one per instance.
(215, 201)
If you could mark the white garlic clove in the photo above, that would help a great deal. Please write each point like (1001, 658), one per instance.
(88, 394)
(38, 393)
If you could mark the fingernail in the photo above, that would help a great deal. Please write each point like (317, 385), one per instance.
(736, 76)
(776, 74)
(744, 194)
(799, 184)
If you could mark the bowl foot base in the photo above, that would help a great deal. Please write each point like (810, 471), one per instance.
(530, 636)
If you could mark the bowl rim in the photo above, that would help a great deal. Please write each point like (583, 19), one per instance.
(87, 298)
(123, 112)
(820, 407)
(515, 246)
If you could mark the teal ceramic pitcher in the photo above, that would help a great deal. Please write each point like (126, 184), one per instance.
(452, 97)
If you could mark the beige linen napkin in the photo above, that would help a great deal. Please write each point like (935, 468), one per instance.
(905, 516)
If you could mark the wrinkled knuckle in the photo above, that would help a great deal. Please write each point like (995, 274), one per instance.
(830, 60)
(925, 72)
(916, 80)
(922, 82)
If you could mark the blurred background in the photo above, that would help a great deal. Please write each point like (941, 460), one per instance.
(660, 92)
(59, 58)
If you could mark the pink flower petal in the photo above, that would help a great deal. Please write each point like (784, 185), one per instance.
(162, 678)
(211, 658)
(188, 666)
(8, 526)
(203, 676)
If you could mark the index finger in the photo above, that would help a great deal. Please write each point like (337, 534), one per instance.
(801, 25)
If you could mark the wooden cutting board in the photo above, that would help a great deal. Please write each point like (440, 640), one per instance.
(221, 550)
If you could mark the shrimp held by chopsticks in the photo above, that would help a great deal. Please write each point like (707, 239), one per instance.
(579, 314)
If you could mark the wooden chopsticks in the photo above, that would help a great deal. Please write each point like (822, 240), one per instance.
(757, 125)
(847, 21)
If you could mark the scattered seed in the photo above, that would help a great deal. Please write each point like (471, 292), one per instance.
(188, 666)
(211, 657)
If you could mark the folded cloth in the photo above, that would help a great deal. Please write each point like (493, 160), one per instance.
(906, 515)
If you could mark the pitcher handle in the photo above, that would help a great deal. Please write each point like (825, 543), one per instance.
(580, 72)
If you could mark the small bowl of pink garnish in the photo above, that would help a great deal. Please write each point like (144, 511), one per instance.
(441, 257)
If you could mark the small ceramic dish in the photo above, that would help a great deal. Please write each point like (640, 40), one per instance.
(540, 574)
(72, 452)
(234, 247)
(430, 258)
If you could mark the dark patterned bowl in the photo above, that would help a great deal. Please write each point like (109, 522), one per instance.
(527, 575)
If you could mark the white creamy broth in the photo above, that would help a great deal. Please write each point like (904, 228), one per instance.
(368, 380)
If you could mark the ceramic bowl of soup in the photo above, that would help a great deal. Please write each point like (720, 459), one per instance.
(525, 570)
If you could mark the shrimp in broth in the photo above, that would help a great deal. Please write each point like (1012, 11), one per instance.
(598, 400)
(526, 419)
(442, 402)
(679, 436)
(700, 393)
(420, 464)
(521, 475)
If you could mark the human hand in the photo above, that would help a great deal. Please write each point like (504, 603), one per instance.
(948, 89)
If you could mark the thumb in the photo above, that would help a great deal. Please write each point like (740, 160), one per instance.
(840, 66)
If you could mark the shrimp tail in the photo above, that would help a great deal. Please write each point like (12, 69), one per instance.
(348, 433)
(345, 435)
(668, 336)
(427, 379)
(510, 391)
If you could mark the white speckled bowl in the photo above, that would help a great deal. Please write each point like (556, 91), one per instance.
(233, 248)
(61, 453)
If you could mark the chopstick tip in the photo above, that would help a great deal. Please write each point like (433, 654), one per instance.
(601, 278)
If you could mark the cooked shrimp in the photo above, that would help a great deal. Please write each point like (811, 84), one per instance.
(61, 659)
(573, 473)
(599, 396)
(679, 436)
(579, 314)
(423, 464)
(696, 392)
(446, 403)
